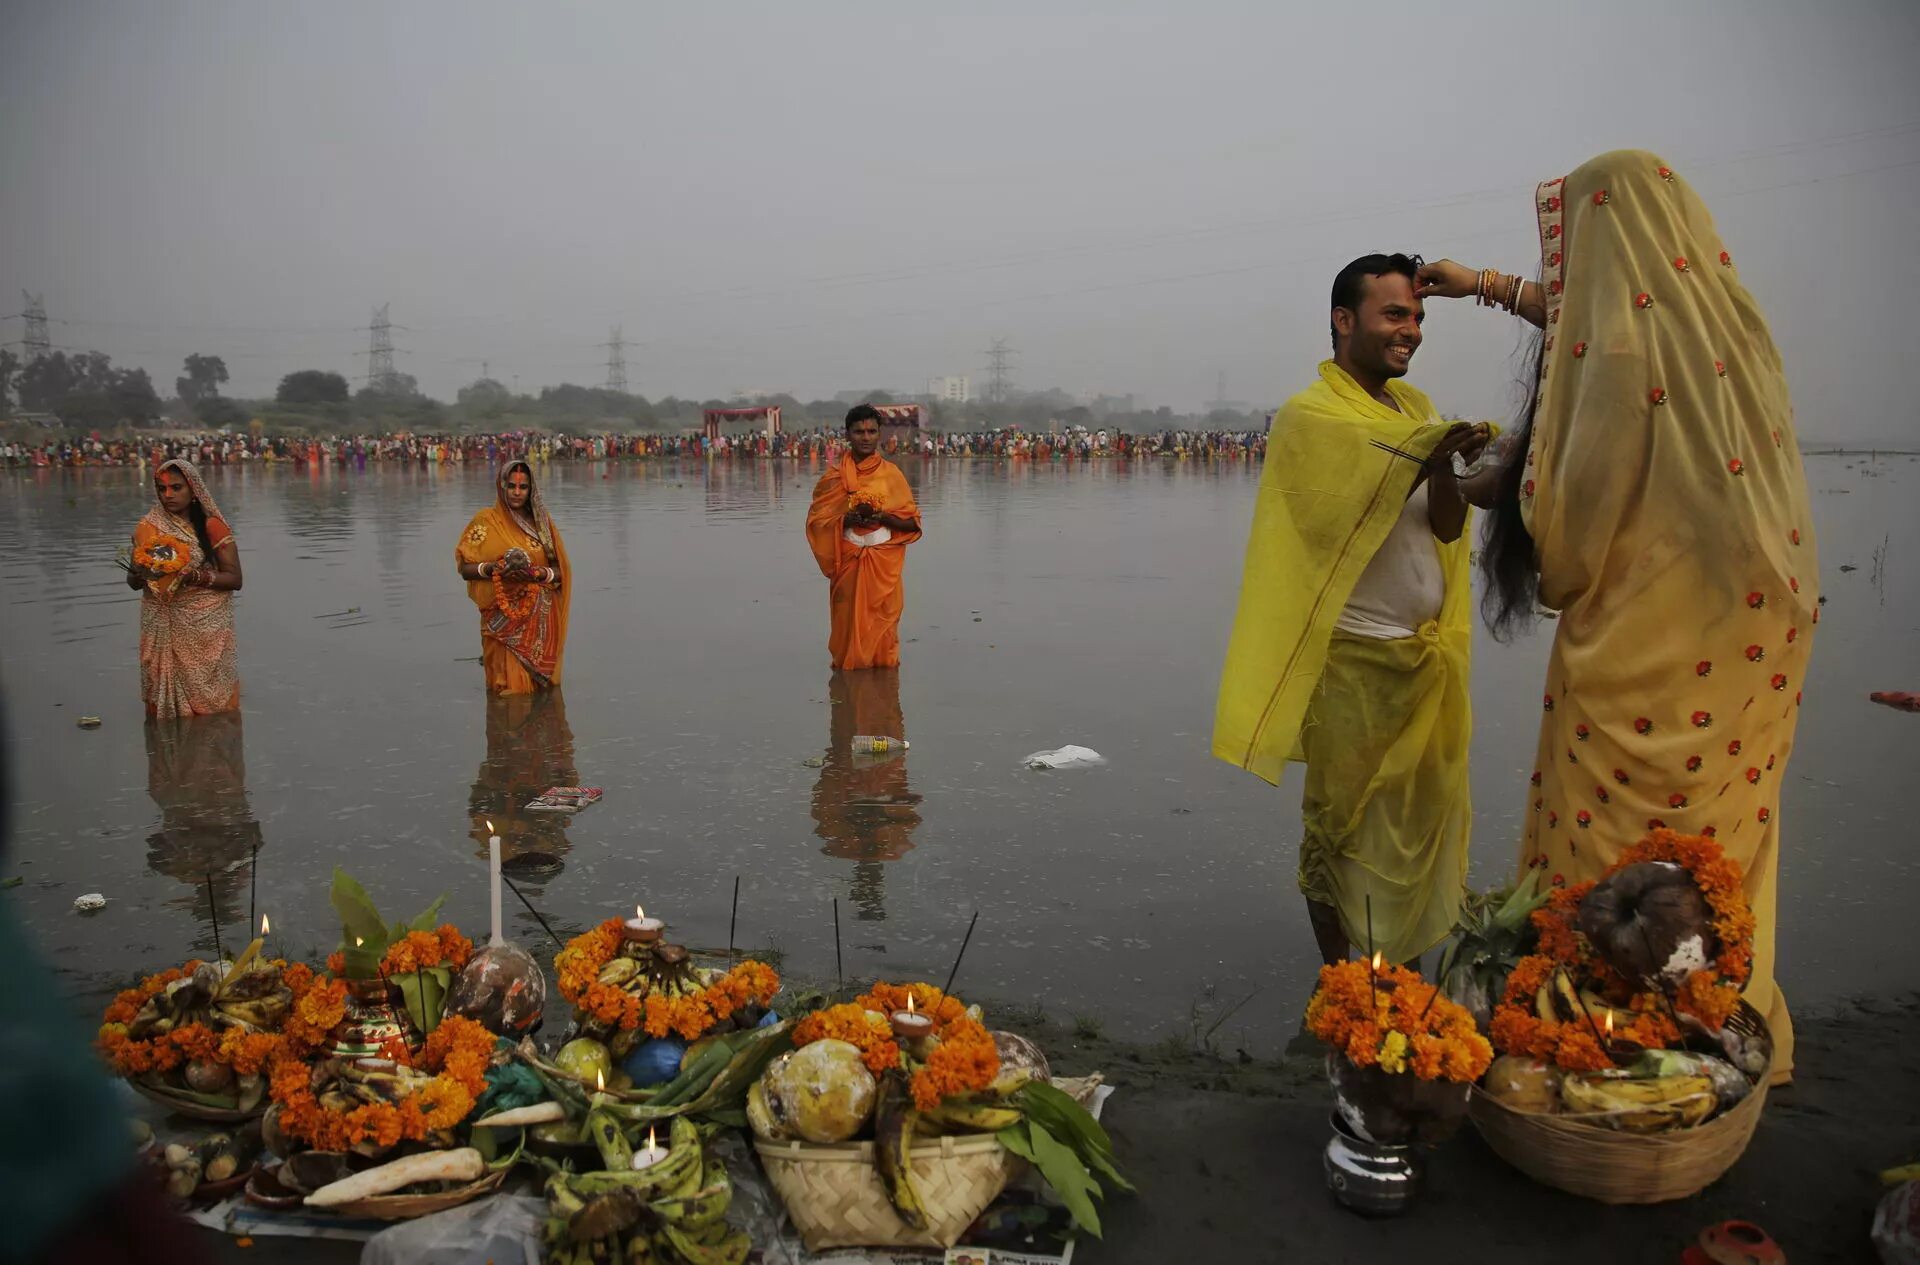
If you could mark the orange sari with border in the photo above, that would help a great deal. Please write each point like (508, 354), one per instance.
(868, 590)
(523, 627)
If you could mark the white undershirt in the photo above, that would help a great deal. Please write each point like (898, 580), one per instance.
(1403, 585)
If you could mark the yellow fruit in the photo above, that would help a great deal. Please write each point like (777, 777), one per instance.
(1523, 1084)
(822, 1091)
(1639, 1105)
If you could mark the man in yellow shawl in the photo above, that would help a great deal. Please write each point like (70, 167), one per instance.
(517, 574)
(862, 519)
(1350, 647)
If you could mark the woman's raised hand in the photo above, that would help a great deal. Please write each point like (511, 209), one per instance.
(1445, 279)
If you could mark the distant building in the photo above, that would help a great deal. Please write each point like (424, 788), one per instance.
(951, 390)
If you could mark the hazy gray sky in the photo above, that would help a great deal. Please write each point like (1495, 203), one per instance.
(829, 196)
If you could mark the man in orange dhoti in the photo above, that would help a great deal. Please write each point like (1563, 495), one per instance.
(862, 520)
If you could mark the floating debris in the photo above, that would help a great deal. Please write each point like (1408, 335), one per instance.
(88, 722)
(90, 902)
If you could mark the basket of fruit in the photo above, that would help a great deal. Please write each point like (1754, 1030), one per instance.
(898, 1118)
(1632, 1071)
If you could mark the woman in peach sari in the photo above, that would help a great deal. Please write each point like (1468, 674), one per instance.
(1655, 499)
(187, 566)
(516, 569)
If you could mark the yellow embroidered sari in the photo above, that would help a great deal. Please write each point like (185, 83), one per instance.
(1670, 518)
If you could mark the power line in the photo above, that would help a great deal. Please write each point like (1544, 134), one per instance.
(35, 340)
(381, 375)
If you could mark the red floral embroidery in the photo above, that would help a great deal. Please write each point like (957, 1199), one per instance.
(1553, 819)
(1765, 815)
(1643, 300)
(1526, 489)
(1720, 367)
(1654, 823)
(1793, 583)
(1769, 764)
(1755, 654)
(1571, 757)
(1600, 793)
(1536, 777)
(1549, 703)
(1816, 614)
(1736, 466)
(1733, 748)
(1710, 831)
(1553, 260)
(1553, 231)
(1703, 668)
(1666, 173)
(1676, 800)
(1702, 720)
(1693, 763)
(1579, 351)
(1554, 203)
(1796, 698)
(1601, 197)
(1553, 286)
(1642, 726)
(1620, 776)
(1582, 732)
(1680, 264)
(1779, 681)
(1756, 599)
(1793, 635)
(1658, 395)
(1753, 776)
(1585, 818)
(1794, 535)
(1559, 880)
(1726, 260)
(1776, 439)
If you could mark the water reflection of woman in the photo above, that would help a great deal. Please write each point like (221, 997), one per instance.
(516, 569)
(186, 615)
(862, 806)
(529, 748)
(197, 776)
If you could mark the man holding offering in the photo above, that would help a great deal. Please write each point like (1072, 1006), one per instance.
(862, 519)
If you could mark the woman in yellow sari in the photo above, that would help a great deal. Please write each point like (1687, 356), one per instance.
(187, 567)
(515, 566)
(1655, 499)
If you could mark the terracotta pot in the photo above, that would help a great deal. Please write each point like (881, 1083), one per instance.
(375, 1014)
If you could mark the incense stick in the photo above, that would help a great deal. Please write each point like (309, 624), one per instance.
(213, 914)
(1398, 452)
(558, 943)
(253, 885)
(839, 969)
(1373, 991)
(734, 921)
(948, 990)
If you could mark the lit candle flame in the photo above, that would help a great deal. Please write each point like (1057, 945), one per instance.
(1376, 964)
(909, 1003)
(650, 1142)
(357, 942)
(1609, 1025)
(639, 911)
(265, 926)
(599, 1079)
(489, 826)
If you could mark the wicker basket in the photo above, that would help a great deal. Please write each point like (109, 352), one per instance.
(407, 1207)
(834, 1195)
(1623, 1168)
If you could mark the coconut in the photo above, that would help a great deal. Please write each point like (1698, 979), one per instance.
(1020, 1061)
(760, 1116)
(1523, 1084)
(822, 1091)
(204, 1076)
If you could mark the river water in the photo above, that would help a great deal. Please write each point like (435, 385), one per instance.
(1047, 605)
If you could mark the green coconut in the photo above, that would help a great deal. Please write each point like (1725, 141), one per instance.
(585, 1058)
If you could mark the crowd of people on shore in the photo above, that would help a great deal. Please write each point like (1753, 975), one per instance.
(357, 451)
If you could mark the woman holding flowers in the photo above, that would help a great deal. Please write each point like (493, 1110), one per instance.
(516, 569)
(187, 567)
(1655, 499)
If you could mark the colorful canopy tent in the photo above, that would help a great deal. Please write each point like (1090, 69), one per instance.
(715, 419)
(891, 415)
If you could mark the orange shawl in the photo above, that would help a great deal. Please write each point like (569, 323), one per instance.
(523, 627)
(868, 591)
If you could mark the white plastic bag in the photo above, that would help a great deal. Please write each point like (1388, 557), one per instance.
(498, 1230)
(1068, 757)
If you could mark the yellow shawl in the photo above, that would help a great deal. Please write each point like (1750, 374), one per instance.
(1328, 500)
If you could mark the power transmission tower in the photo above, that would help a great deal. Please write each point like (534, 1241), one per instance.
(35, 342)
(381, 376)
(616, 346)
(999, 360)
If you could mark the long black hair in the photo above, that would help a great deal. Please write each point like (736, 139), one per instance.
(1507, 561)
(196, 512)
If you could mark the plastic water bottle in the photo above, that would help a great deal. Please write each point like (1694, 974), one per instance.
(877, 744)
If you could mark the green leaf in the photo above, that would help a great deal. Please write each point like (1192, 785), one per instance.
(425, 993)
(1069, 1178)
(1072, 1124)
(1015, 1138)
(429, 918)
(359, 920)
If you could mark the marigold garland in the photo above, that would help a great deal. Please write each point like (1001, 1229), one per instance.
(247, 1053)
(1710, 995)
(963, 1058)
(514, 599)
(1393, 1019)
(164, 556)
(416, 951)
(457, 1052)
(578, 967)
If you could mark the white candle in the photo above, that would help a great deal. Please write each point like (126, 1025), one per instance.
(650, 1154)
(493, 870)
(642, 928)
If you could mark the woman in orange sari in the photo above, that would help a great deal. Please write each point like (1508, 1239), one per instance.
(187, 566)
(1655, 499)
(516, 569)
(861, 521)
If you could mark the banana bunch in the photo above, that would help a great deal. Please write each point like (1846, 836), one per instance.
(249, 994)
(673, 1212)
(1653, 1104)
(645, 970)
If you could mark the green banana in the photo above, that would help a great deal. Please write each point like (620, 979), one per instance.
(616, 1153)
(683, 1154)
(619, 972)
(704, 1206)
(893, 1124)
(731, 1250)
(604, 1216)
(977, 1117)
